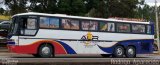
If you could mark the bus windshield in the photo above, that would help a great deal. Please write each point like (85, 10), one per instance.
(13, 27)
(23, 26)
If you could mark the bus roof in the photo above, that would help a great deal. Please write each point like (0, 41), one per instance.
(78, 17)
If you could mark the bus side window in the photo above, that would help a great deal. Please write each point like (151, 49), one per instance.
(89, 25)
(31, 24)
(123, 27)
(23, 24)
(137, 28)
(148, 29)
(28, 26)
(70, 24)
(107, 26)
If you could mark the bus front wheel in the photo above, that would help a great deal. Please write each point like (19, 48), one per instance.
(45, 51)
(130, 52)
(118, 52)
(36, 55)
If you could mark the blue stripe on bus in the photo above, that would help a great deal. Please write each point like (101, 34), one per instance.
(106, 49)
(67, 48)
(10, 42)
(142, 46)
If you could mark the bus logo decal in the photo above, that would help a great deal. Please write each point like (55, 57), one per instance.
(89, 39)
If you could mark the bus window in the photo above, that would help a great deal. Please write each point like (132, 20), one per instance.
(89, 25)
(54, 23)
(28, 26)
(123, 27)
(44, 22)
(138, 28)
(70, 24)
(148, 29)
(31, 24)
(104, 26)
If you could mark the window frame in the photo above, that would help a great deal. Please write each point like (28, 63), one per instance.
(116, 27)
(107, 23)
(84, 20)
(98, 21)
(150, 29)
(49, 22)
(58, 25)
(79, 21)
(37, 24)
(139, 32)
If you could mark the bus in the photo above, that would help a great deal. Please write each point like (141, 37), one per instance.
(46, 35)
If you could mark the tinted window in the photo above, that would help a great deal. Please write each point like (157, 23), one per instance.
(49, 22)
(44, 22)
(104, 26)
(138, 28)
(54, 23)
(28, 26)
(148, 29)
(70, 24)
(89, 25)
(31, 23)
(123, 27)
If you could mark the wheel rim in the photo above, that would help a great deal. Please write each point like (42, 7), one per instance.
(45, 50)
(130, 51)
(119, 51)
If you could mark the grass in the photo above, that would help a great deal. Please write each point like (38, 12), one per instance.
(2, 17)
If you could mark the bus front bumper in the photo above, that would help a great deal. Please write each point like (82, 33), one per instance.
(21, 49)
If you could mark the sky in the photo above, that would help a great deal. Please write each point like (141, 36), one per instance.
(149, 2)
(1, 4)
(152, 2)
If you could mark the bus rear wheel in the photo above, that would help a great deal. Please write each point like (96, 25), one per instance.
(118, 52)
(45, 51)
(130, 52)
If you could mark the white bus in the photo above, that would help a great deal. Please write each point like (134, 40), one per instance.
(44, 35)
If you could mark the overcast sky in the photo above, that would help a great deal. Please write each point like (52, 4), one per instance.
(149, 2)
(152, 2)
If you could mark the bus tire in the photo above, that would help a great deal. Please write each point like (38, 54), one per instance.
(106, 55)
(155, 47)
(36, 55)
(118, 52)
(45, 51)
(130, 52)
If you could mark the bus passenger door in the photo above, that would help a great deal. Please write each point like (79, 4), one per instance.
(28, 29)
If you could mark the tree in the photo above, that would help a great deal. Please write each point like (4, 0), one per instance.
(78, 7)
(122, 8)
(64, 7)
(16, 6)
(92, 8)
(43, 6)
(146, 12)
(102, 9)
(97, 8)
(71, 7)
(2, 11)
(111, 8)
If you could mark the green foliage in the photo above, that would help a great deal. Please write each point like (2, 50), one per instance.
(122, 8)
(97, 8)
(71, 7)
(44, 6)
(16, 6)
(91, 8)
(1, 11)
